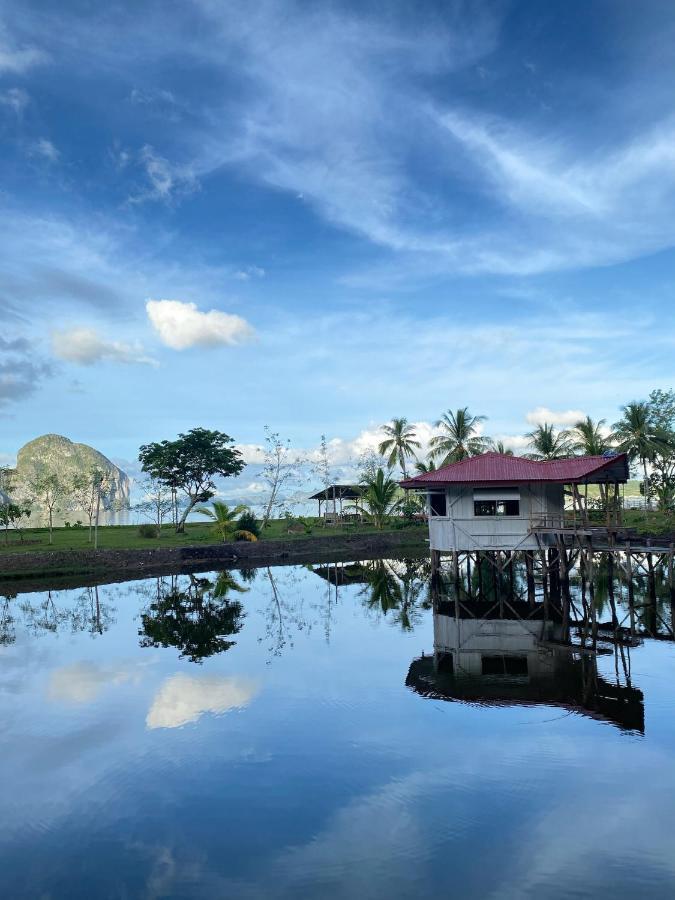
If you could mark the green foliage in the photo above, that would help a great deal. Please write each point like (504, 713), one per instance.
(248, 522)
(459, 436)
(190, 463)
(197, 621)
(223, 517)
(399, 444)
(380, 497)
(587, 437)
(147, 530)
(547, 443)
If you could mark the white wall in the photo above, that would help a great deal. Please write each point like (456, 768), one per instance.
(461, 530)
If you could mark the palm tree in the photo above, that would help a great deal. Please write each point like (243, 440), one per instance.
(498, 447)
(424, 467)
(400, 443)
(459, 436)
(223, 518)
(635, 435)
(379, 496)
(587, 437)
(547, 443)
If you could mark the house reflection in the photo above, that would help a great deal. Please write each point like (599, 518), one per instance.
(510, 660)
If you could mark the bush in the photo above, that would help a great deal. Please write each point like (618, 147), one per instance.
(248, 522)
(148, 531)
(243, 535)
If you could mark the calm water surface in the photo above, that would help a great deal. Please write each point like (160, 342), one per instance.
(270, 734)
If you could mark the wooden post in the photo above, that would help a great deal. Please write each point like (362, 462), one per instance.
(591, 597)
(529, 569)
(479, 567)
(631, 589)
(469, 588)
(651, 588)
(435, 561)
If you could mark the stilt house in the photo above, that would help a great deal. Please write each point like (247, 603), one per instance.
(499, 502)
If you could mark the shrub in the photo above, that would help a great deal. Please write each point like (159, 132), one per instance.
(148, 531)
(243, 535)
(248, 522)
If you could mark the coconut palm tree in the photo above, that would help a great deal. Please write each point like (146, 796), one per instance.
(400, 443)
(424, 467)
(459, 436)
(380, 496)
(547, 443)
(636, 435)
(587, 437)
(223, 517)
(498, 447)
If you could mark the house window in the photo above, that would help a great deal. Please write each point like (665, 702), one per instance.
(496, 507)
(504, 665)
(438, 504)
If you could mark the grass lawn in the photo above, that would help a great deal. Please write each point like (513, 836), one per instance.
(651, 522)
(125, 537)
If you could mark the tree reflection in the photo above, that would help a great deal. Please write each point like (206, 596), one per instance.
(197, 618)
(400, 587)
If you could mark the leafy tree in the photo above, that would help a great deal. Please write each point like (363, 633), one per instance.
(223, 517)
(198, 621)
(547, 443)
(380, 497)
(190, 464)
(459, 436)
(49, 491)
(90, 493)
(400, 443)
(11, 515)
(662, 409)
(636, 435)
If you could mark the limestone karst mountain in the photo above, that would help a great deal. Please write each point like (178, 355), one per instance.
(59, 454)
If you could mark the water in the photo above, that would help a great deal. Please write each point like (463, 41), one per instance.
(272, 734)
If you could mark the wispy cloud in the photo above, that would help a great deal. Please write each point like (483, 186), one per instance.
(16, 99)
(16, 57)
(85, 347)
(165, 181)
(44, 149)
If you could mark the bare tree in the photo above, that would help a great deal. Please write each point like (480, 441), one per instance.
(280, 469)
(159, 501)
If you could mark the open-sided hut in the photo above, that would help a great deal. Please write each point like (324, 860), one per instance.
(332, 500)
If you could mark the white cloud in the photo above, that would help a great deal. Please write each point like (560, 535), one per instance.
(185, 698)
(249, 272)
(181, 325)
(82, 682)
(85, 347)
(166, 181)
(45, 149)
(543, 415)
(18, 59)
(16, 99)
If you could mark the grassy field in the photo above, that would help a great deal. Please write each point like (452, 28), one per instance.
(125, 537)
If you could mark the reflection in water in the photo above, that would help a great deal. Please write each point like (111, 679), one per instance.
(198, 619)
(185, 698)
(516, 654)
(136, 773)
(46, 612)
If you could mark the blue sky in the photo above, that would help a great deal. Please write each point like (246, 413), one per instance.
(317, 216)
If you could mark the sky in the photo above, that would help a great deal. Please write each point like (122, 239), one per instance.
(317, 216)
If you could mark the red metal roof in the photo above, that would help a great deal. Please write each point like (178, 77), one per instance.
(495, 468)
